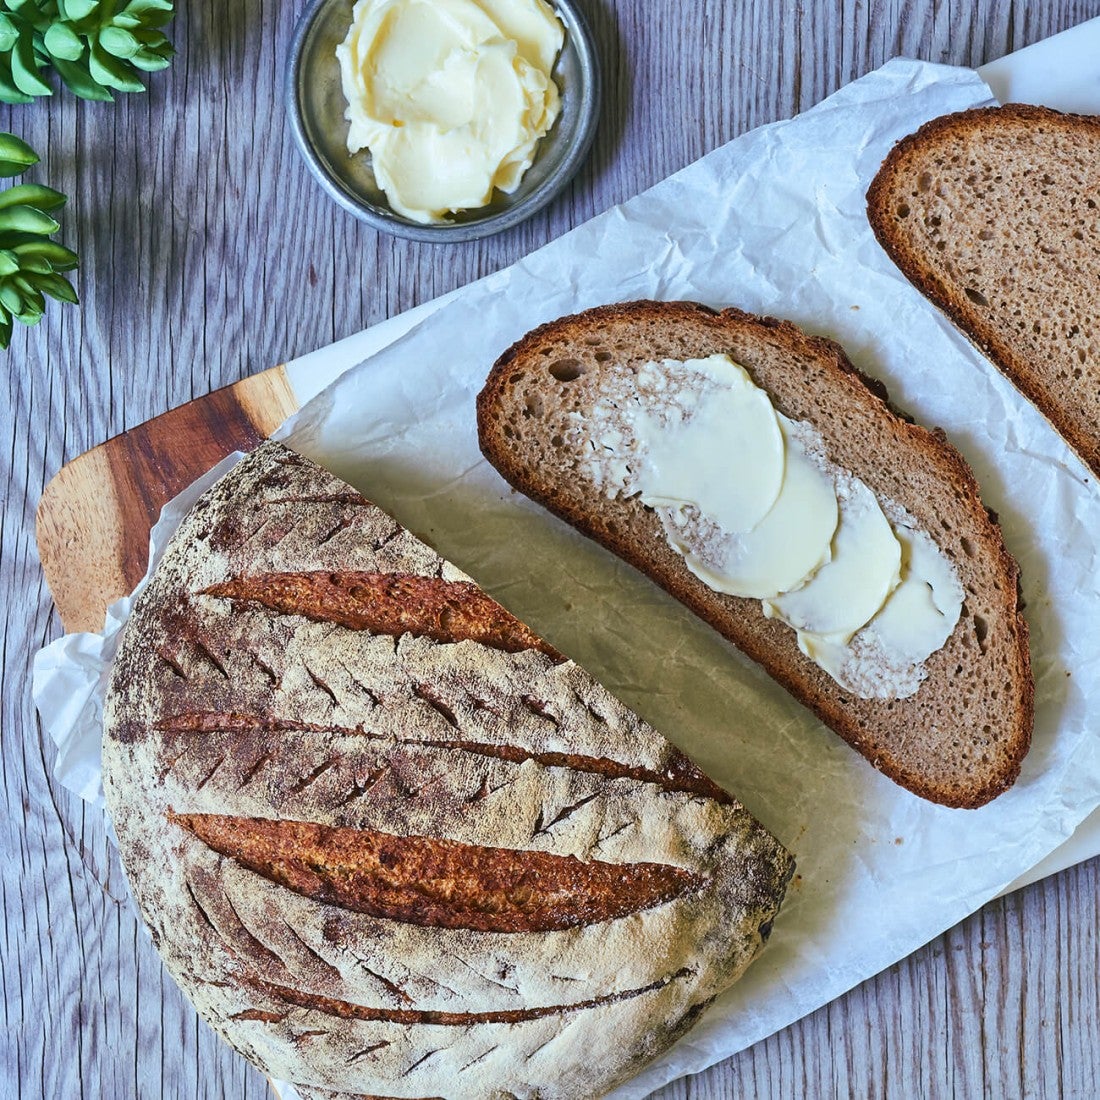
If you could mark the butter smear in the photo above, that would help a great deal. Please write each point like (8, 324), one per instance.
(451, 97)
(756, 508)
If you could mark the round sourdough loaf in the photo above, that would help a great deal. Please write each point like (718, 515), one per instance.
(387, 840)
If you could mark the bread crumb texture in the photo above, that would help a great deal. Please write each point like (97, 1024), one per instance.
(388, 841)
(994, 214)
(960, 738)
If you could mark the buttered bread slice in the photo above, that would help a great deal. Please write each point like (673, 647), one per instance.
(388, 840)
(753, 473)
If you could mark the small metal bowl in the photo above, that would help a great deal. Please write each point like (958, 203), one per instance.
(316, 104)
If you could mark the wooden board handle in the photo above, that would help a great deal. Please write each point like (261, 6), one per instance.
(94, 517)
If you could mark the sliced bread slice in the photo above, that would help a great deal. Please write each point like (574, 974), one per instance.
(994, 215)
(960, 738)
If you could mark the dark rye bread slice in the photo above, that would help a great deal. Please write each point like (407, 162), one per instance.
(390, 842)
(960, 739)
(994, 215)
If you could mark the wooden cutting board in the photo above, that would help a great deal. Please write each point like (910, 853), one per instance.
(94, 517)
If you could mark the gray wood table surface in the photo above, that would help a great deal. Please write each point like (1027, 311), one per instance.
(208, 253)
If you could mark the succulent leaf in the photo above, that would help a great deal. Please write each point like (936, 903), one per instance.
(57, 286)
(154, 40)
(78, 9)
(9, 93)
(152, 13)
(31, 314)
(9, 33)
(56, 255)
(32, 194)
(146, 8)
(94, 45)
(25, 219)
(16, 156)
(25, 68)
(119, 42)
(62, 41)
(80, 81)
(30, 263)
(36, 265)
(112, 72)
(10, 297)
(150, 62)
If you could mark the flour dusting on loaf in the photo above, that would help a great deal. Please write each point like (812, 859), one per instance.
(389, 841)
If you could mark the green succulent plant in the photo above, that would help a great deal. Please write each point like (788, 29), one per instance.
(30, 263)
(95, 46)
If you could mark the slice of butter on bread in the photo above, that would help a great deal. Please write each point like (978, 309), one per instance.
(389, 841)
(960, 736)
(994, 215)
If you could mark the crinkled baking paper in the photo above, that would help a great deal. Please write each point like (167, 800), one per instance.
(774, 223)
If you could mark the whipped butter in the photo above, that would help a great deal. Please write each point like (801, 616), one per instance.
(451, 97)
(755, 507)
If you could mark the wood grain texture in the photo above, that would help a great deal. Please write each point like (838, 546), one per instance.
(209, 254)
(93, 520)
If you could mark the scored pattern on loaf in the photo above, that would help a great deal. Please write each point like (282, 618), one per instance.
(359, 801)
(346, 1010)
(679, 774)
(388, 603)
(439, 883)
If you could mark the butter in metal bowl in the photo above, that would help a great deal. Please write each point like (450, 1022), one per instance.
(450, 97)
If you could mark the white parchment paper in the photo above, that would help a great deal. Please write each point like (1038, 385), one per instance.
(774, 222)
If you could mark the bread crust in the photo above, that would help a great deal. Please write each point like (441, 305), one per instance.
(388, 841)
(881, 731)
(894, 188)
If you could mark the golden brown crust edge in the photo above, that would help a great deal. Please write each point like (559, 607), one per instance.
(779, 661)
(882, 196)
